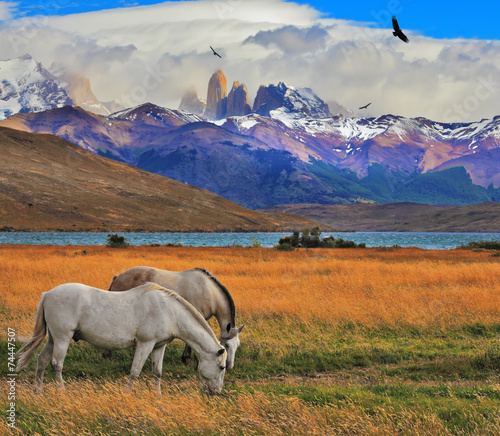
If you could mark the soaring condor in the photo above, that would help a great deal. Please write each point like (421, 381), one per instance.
(397, 31)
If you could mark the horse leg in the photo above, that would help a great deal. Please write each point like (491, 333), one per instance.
(186, 355)
(43, 360)
(142, 351)
(157, 358)
(60, 349)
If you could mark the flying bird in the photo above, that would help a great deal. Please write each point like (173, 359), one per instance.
(365, 106)
(397, 31)
(215, 53)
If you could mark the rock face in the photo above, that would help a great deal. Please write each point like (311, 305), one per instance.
(237, 101)
(266, 101)
(191, 103)
(79, 90)
(216, 96)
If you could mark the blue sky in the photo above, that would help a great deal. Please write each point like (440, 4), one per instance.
(434, 18)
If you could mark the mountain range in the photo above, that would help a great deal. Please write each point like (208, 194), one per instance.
(287, 148)
(49, 184)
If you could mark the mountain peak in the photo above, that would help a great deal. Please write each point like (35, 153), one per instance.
(151, 114)
(298, 102)
(26, 57)
(26, 86)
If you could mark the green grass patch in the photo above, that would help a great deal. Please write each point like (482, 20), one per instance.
(280, 347)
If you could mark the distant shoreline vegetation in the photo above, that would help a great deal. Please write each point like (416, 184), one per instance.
(312, 239)
(484, 245)
(430, 241)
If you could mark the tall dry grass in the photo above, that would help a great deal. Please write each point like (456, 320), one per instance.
(272, 290)
(89, 409)
(409, 287)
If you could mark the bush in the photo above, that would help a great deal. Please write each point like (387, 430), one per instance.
(486, 245)
(285, 246)
(115, 241)
(256, 244)
(312, 239)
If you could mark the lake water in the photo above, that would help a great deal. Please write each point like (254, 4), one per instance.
(438, 241)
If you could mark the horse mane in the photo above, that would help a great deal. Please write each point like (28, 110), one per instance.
(174, 295)
(224, 290)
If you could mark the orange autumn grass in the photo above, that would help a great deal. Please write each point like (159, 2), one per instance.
(408, 287)
(404, 287)
(86, 408)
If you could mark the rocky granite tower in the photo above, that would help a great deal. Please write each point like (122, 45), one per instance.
(237, 101)
(216, 96)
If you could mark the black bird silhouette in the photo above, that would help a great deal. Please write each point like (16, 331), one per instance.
(365, 106)
(215, 53)
(397, 31)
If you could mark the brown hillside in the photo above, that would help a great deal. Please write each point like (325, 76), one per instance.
(48, 184)
(400, 217)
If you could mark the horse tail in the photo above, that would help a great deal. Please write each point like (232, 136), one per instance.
(111, 285)
(26, 352)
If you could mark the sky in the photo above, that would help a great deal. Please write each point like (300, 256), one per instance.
(134, 52)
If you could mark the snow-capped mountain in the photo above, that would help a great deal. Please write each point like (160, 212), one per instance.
(286, 102)
(259, 161)
(26, 86)
(156, 115)
(290, 149)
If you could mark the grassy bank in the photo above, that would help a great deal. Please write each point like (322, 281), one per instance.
(336, 341)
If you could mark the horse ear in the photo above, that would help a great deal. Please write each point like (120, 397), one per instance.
(241, 328)
(220, 352)
(228, 327)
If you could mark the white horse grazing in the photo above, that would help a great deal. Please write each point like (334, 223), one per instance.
(202, 289)
(147, 317)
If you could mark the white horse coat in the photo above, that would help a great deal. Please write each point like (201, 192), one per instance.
(147, 316)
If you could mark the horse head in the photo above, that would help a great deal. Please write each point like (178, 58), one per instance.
(212, 367)
(230, 341)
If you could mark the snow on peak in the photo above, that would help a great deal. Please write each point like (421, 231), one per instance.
(274, 100)
(26, 86)
(151, 112)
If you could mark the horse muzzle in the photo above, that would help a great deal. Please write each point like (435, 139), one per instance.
(210, 389)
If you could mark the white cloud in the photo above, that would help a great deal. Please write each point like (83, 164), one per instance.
(6, 10)
(291, 39)
(155, 52)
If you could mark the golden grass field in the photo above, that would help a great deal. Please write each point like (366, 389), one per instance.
(411, 304)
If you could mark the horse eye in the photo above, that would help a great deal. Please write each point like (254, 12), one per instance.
(222, 368)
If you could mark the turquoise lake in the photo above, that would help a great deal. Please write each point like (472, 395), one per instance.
(438, 241)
